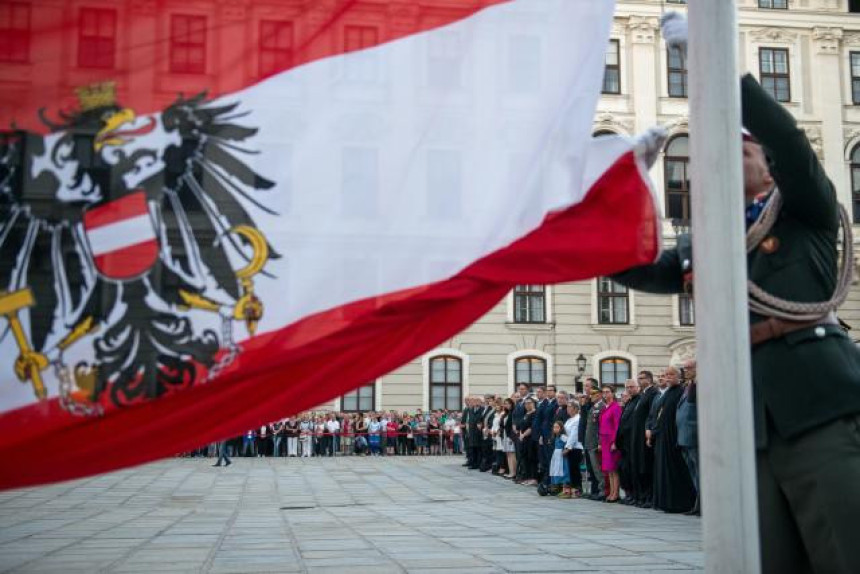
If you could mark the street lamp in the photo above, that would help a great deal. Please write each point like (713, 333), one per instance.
(581, 362)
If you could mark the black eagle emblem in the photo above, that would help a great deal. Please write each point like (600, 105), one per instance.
(113, 227)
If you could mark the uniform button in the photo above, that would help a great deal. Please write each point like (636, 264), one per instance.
(685, 264)
(819, 331)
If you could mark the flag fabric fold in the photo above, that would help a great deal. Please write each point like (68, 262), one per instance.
(182, 274)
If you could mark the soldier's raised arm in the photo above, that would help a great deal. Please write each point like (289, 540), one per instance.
(806, 191)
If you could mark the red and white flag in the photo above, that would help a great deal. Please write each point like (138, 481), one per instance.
(247, 217)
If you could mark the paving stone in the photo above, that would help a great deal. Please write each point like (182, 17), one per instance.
(381, 515)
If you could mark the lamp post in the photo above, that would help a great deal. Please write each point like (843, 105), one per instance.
(581, 362)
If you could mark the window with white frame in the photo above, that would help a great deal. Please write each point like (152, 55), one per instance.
(361, 400)
(686, 310)
(677, 72)
(612, 69)
(775, 73)
(613, 302)
(614, 371)
(446, 383)
(530, 304)
(531, 371)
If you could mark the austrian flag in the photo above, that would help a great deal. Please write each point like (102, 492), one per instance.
(217, 219)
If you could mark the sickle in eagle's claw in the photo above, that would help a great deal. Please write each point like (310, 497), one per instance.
(249, 308)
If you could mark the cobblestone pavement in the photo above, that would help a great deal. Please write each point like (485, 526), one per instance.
(374, 515)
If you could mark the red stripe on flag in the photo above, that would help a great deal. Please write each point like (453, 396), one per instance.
(142, 50)
(325, 355)
(121, 209)
(129, 261)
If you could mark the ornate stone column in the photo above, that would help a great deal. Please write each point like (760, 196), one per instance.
(828, 99)
(642, 88)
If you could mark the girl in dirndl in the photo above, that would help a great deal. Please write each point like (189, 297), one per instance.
(558, 471)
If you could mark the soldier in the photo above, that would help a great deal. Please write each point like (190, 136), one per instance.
(808, 451)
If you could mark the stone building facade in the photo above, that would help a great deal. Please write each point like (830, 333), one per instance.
(807, 52)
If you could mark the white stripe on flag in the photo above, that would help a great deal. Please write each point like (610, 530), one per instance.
(122, 234)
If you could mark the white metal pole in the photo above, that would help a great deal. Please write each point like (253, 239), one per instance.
(726, 442)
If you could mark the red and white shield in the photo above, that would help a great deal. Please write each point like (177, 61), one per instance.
(122, 237)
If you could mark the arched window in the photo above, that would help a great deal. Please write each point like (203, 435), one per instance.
(677, 164)
(614, 371)
(446, 383)
(530, 370)
(602, 133)
(855, 182)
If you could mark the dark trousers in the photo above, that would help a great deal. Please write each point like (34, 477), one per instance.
(574, 463)
(592, 478)
(486, 454)
(530, 463)
(808, 499)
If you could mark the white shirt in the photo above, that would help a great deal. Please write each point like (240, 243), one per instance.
(571, 429)
(332, 426)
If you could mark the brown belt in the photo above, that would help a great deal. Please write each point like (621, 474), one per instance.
(773, 328)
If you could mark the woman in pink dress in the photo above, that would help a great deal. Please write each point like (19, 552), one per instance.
(610, 457)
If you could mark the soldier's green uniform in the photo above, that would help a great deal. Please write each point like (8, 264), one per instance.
(806, 384)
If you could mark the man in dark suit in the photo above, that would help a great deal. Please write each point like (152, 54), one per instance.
(585, 409)
(466, 429)
(808, 443)
(517, 416)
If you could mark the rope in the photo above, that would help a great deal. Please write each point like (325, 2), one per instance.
(764, 303)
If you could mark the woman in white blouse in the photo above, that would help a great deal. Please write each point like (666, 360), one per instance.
(573, 451)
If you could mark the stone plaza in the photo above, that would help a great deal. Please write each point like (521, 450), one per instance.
(375, 515)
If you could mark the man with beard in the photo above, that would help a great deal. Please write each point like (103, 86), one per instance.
(641, 452)
(624, 441)
(673, 487)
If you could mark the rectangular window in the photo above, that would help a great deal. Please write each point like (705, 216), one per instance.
(775, 74)
(676, 1)
(613, 302)
(363, 67)
(360, 181)
(14, 32)
(686, 310)
(444, 60)
(677, 71)
(97, 38)
(361, 400)
(446, 383)
(854, 6)
(187, 44)
(773, 4)
(612, 71)
(276, 46)
(529, 304)
(444, 184)
(855, 78)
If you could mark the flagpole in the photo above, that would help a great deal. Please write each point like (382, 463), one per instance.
(726, 443)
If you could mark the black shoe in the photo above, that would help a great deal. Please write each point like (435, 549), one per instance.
(216, 464)
(600, 498)
(228, 463)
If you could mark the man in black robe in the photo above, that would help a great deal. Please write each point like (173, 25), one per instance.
(673, 487)
(624, 441)
(641, 453)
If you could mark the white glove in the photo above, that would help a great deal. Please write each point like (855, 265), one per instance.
(673, 26)
(650, 143)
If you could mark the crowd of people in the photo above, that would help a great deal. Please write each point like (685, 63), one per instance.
(333, 433)
(643, 443)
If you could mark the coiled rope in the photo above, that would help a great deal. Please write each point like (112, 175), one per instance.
(769, 305)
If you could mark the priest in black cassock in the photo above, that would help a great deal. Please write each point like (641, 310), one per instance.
(641, 454)
(624, 441)
(673, 487)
